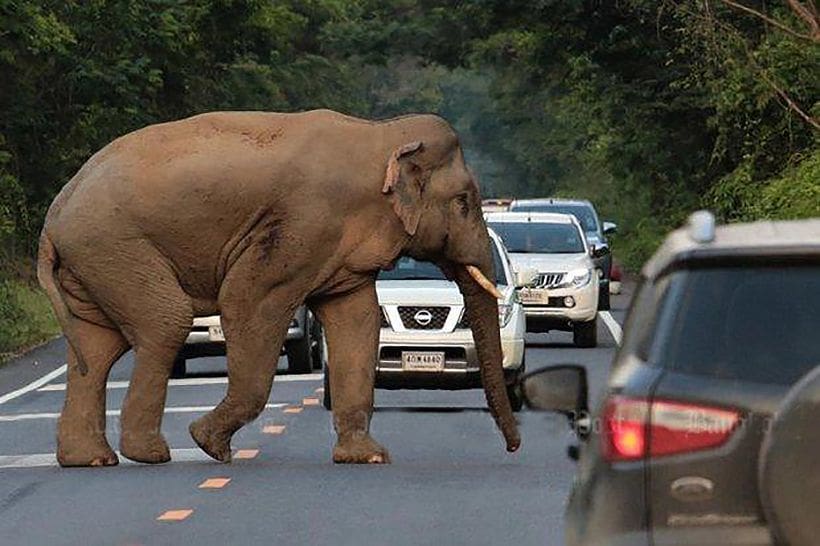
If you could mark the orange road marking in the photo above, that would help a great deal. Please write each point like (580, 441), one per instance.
(246, 454)
(175, 515)
(310, 401)
(293, 409)
(214, 483)
(273, 429)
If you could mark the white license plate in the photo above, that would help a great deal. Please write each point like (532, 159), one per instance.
(215, 333)
(533, 295)
(422, 361)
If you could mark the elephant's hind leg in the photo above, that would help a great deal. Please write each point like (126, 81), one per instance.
(351, 324)
(161, 323)
(81, 430)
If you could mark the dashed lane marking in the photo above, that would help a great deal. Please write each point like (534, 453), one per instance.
(613, 326)
(36, 384)
(273, 429)
(292, 409)
(214, 483)
(40, 460)
(175, 515)
(310, 401)
(246, 453)
(188, 381)
(12, 417)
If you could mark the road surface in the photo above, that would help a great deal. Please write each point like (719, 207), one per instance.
(451, 481)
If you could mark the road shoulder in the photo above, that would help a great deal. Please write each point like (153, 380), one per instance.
(23, 370)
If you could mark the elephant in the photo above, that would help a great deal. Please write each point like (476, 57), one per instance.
(250, 214)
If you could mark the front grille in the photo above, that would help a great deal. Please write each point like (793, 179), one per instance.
(384, 323)
(416, 318)
(548, 280)
(463, 323)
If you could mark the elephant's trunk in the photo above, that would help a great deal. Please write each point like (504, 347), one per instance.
(481, 310)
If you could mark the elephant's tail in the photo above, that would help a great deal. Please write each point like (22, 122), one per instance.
(47, 262)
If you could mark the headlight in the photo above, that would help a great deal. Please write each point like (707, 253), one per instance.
(580, 277)
(504, 314)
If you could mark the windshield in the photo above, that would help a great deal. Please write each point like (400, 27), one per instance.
(541, 238)
(583, 213)
(409, 269)
(748, 323)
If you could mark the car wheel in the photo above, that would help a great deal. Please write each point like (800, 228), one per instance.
(316, 345)
(516, 396)
(326, 401)
(180, 368)
(603, 298)
(299, 355)
(585, 334)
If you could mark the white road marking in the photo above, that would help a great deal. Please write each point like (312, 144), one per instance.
(612, 324)
(34, 384)
(189, 381)
(12, 417)
(35, 460)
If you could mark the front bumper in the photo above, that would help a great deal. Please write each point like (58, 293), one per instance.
(556, 315)
(461, 365)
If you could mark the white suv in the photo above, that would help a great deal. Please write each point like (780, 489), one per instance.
(425, 342)
(564, 295)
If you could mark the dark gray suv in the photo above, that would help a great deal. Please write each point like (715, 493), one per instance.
(707, 429)
(595, 231)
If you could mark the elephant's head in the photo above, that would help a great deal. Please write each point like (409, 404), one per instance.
(437, 199)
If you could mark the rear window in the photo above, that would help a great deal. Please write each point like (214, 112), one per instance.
(757, 324)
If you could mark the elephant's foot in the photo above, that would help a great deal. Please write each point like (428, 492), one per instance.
(212, 441)
(145, 448)
(84, 451)
(360, 449)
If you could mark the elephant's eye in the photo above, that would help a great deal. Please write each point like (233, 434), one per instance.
(463, 204)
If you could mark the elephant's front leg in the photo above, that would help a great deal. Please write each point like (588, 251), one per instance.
(254, 334)
(351, 324)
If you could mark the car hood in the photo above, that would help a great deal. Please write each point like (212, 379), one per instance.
(428, 292)
(550, 263)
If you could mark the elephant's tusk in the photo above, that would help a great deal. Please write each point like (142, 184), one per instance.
(483, 282)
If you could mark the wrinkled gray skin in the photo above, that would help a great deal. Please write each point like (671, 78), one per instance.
(249, 214)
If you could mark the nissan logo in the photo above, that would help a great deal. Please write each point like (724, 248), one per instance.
(423, 317)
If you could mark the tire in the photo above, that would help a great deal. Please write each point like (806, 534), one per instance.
(603, 298)
(316, 350)
(789, 484)
(326, 401)
(300, 357)
(515, 396)
(585, 334)
(180, 368)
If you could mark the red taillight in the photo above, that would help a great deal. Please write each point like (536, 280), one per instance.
(635, 428)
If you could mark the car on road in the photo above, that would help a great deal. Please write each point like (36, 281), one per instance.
(425, 341)
(596, 233)
(495, 205)
(302, 344)
(564, 294)
(707, 429)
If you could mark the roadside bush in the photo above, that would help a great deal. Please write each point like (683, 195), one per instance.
(26, 317)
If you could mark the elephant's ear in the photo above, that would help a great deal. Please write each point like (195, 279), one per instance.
(403, 179)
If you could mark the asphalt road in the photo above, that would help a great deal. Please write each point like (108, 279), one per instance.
(451, 481)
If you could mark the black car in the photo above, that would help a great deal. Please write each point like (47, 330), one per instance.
(707, 431)
(595, 231)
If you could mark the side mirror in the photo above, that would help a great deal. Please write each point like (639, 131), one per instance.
(562, 388)
(610, 227)
(598, 251)
(525, 277)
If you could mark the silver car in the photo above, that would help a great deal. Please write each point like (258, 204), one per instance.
(425, 342)
(302, 344)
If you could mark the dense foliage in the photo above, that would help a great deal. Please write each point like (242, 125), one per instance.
(650, 108)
